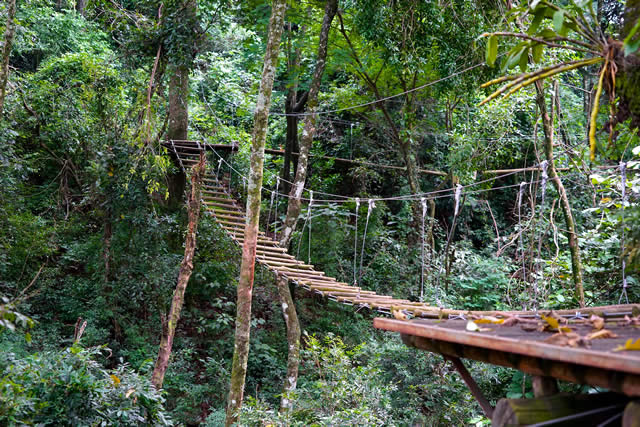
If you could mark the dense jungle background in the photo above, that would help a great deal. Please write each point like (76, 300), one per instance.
(93, 219)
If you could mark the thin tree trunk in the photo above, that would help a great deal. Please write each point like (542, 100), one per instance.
(574, 248)
(294, 206)
(247, 267)
(186, 268)
(9, 32)
(81, 5)
(309, 130)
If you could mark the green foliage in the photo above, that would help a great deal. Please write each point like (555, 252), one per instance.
(70, 387)
(339, 390)
(10, 318)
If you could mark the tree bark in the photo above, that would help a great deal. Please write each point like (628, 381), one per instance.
(9, 32)
(574, 248)
(292, 107)
(294, 206)
(81, 5)
(293, 341)
(247, 267)
(178, 126)
(186, 268)
(309, 130)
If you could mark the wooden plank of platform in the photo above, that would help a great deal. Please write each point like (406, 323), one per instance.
(513, 347)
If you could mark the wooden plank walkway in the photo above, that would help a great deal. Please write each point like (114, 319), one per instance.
(230, 216)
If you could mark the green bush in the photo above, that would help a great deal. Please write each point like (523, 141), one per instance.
(70, 387)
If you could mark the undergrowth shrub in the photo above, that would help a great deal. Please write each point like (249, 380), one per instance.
(70, 387)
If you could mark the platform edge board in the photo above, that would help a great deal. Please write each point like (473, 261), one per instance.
(596, 359)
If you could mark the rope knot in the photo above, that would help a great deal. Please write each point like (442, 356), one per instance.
(457, 196)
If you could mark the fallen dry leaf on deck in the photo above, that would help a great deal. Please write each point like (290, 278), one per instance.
(629, 345)
(472, 327)
(490, 319)
(510, 321)
(603, 333)
(597, 322)
(554, 324)
(634, 321)
(570, 339)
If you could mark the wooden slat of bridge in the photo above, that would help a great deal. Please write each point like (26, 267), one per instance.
(231, 217)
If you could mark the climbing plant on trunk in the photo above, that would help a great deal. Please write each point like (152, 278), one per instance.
(247, 267)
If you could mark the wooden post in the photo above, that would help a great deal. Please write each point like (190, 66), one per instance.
(544, 386)
(473, 386)
(631, 416)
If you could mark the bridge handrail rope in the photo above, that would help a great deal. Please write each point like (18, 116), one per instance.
(423, 202)
(355, 245)
(408, 197)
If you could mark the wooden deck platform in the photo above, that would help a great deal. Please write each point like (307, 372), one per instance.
(590, 361)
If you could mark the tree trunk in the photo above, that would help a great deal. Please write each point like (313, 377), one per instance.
(293, 341)
(178, 125)
(309, 130)
(247, 267)
(186, 268)
(293, 209)
(9, 32)
(576, 261)
(81, 5)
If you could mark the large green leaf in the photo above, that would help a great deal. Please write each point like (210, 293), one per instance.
(492, 51)
(558, 20)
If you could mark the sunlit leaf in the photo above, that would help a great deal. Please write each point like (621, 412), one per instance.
(629, 345)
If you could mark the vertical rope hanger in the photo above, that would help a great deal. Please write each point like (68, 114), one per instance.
(355, 245)
(443, 257)
(309, 218)
(218, 169)
(623, 181)
(370, 207)
(545, 177)
(273, 194)
(423, 201)
(306, 220)
(523, 187)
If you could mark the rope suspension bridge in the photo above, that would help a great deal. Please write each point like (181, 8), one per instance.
(230, 215)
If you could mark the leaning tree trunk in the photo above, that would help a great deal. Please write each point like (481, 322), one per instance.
(9, 32)
(293, 209)
(186, 268)
(245, 284)
(574, 248)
